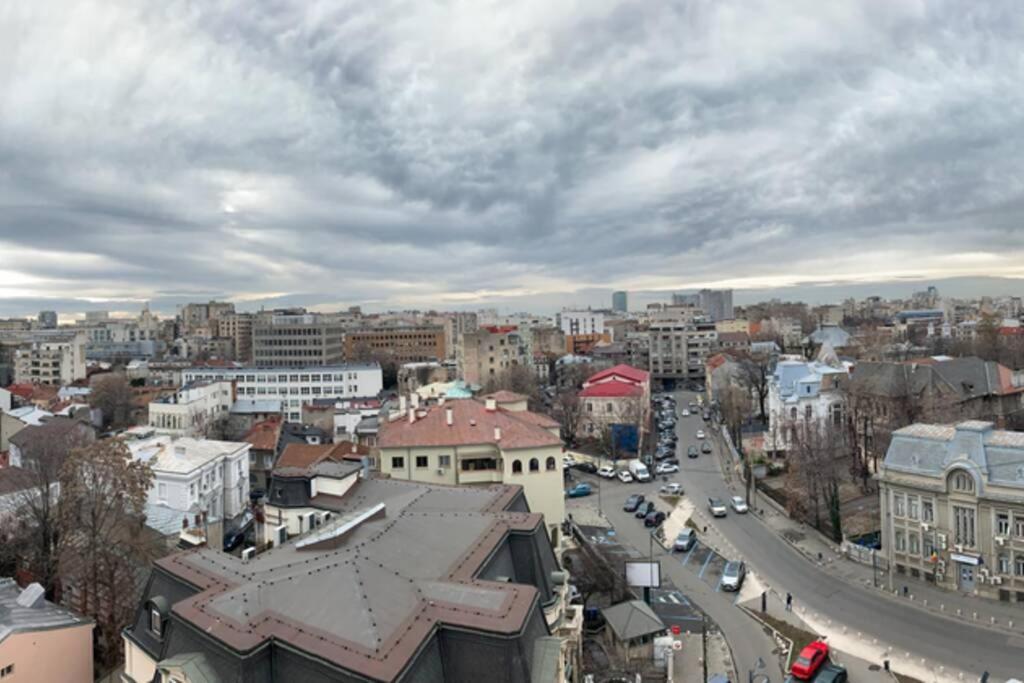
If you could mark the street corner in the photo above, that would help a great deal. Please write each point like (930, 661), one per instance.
(675, 609)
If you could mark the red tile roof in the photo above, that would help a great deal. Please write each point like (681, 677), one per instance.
(472, 424)
(303, 455)
(627, 372)
(612, 389)
(504, 396)
(500, 329)
(264, 435)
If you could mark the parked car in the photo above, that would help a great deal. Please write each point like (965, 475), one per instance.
(666, 468)
(717, 507)
(585, 466)
(670, 461)
(233, 539)
(673, 489)
(568, 462)
(733, 575)
(624, 476)
(706, 415)
(579, 490)
(633, 502)
(701, 435)
(738, 504)
(685, 413)
(705, 447)
(654, 518)
(685, 540)
(644, 509)
(607, 472)
(834, 673)
(692, 452)
(809, 660)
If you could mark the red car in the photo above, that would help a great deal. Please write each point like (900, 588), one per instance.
(810, 660)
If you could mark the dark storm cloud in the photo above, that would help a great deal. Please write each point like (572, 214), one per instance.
(407, 153)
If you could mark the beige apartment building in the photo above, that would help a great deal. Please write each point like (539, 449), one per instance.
(490, 351)
(52, 359)
(283, 339)
(471, 442)
(415, 344)
(238, 327)
(952, 506)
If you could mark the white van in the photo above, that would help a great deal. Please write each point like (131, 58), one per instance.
(639, 470)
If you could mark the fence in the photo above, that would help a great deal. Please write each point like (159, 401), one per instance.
(863, 555)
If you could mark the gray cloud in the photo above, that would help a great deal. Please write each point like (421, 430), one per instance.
(404, 153)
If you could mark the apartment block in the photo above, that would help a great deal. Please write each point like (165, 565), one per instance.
(194, 409)
(295, 386)
(414, 344)
(491, 351)
(238, 327)
(290, 339)
(581, 322)
(681, 340)
(50, 358)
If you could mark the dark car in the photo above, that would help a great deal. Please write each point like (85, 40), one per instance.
(706, 415)
(654, 518)
(256, 495)
(645, 509)
(233, 539)
(633, 502)
(588, 467)
(692, 452)
(831, 673)
(672, 460)
(705, 447)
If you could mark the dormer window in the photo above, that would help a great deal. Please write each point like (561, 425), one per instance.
(156, 622)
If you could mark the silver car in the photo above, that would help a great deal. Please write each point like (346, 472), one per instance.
(738, 504)
(717, 507)
(733, 575)
(685, 540)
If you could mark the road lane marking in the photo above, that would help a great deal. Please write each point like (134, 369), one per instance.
(687, 558)
(706, 563)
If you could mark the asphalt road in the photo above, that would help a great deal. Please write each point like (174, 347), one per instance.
(937, 639)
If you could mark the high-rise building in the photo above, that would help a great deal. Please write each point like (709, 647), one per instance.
(294, 338)
(680, 342)
(620, 302)
(47, 320)
(716, 303)
(581, 322)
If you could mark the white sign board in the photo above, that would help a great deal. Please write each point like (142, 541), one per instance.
(643, 574)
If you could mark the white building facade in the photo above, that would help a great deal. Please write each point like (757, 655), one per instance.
(53, 359)
(802, 393)
(296, 386)
(193, 409)
(581, 322)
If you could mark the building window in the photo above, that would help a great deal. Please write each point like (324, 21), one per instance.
(914, 544)
(1004, 564)
(899, 505)
(792, 413)
(808, 410)
(963, 482)
(7, 671)
(156, 624)
(912, 509)
(927, 511)
(963, 525)
(397, 463)
(517, 467)
(1018, 564)
(608, 408)
(534, 465)
(590, 407)
(444, 461)
(550, 464)
(901, 542)
(1003, 523)
(1018, 526)
(421, 461)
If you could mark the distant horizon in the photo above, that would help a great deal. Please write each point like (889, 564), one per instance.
(811, 294)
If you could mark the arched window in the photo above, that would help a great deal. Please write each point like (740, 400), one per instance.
(792, 413)
(534, 465)
(517, 467)
(962, 482)
(808, 412)
(551, 464)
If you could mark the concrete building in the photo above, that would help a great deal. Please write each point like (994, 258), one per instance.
(413, 344)
(294, 386)
(681, 340)
(47, 320)
(193, 410)
(291, 339)
(620, 302)
(238, 327)
(478, 443)
(53, 358)
(196, 475)
(196, 315)
(42, 439)
(734, 341)
(489, 352)
(390, 581)
(456, 325)
(40, 641)
(952, 508)
(576, 322)
(716, 303)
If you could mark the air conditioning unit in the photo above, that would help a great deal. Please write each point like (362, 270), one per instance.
(925, 526)
(942, 541)
(983, 572)
(248, 554)
(310, 520)
(1000, 540)
(997, 580)
(326, 517)
(958, 547)
(440, 470)
(280, 534)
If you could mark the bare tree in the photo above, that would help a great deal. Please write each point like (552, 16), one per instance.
(813, 478)
(734, 403)
(520, 379)
(101, 511)
(112, 394)
(755, 374)
(568, 410)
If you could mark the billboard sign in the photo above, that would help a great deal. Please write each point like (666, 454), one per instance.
(643, 574)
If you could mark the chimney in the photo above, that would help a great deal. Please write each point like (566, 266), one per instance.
(415, 398)
(449, 416)
(497, 433)
(354, 448)
(412, 415)
(401, 404)
(491, 405)
(440, 401)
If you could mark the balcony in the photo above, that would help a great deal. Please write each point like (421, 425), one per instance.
(479, 476)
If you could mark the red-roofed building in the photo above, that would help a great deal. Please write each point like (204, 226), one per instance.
(620, 395)
(478, 443)
(265, 438)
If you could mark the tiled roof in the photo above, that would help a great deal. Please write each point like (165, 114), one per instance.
(303, 455)
(472, 424)
(18, 617)
(14, 479)
(733, 337)
(622, 370)
(613, 389)
(264, 435)
(505, 396)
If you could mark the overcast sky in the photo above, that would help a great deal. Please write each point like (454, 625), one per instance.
(457, 154)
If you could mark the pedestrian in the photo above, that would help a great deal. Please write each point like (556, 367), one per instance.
(705, 528)
(789, 602)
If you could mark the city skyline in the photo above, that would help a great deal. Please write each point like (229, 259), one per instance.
(670, 149)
